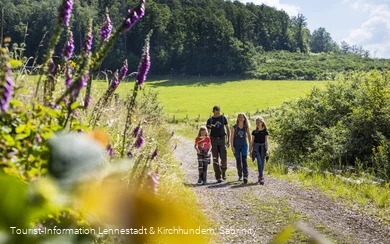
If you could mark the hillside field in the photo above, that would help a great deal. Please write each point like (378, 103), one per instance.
(195, 97)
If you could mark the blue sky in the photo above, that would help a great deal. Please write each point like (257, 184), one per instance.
(360, 22)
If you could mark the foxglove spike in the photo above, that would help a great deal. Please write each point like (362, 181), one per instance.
(144, 67)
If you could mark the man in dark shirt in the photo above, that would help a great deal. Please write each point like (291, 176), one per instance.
(216, 125)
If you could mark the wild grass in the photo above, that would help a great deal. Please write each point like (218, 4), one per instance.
(171, 188)
(371, 198)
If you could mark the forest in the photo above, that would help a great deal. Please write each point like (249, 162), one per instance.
(195, 38)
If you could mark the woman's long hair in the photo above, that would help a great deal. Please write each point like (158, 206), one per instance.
(246, 121)
(262, 121)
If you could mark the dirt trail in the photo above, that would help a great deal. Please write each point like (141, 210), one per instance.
(251, 213)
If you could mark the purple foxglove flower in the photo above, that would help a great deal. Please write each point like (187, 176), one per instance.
(143, 69)
(54, 106)
(87, 101)
(134, 16)
(106, 29)
(131, 20)
(88, 42)
(8, 87)
(152, 182)
(123, 71)
(68, 76)
(119, 77)
(82, 83)
(68, 48)
(52, 67)
(64, 12)
(110, 151)
(129, 155)
(80, 131)
(136, 131)
(115, 83)
(155, 153)
(38, 139)
(140, 141)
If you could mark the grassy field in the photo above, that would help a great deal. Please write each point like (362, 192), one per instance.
(193, 97)
(197, 96)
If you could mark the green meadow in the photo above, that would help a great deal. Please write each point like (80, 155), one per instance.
(193, 97)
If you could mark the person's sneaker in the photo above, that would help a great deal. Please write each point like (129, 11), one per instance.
(240, 178)
(219, 181)
(261, 181)
(245, 180)
(199, 180)
(204, 182)
(223, 176)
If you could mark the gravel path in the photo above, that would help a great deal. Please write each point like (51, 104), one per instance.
(251, 213)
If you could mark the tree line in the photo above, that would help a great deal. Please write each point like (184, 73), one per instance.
(191, 37)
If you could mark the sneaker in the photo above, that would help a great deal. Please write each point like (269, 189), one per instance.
(199, 180)
(219, 181)
(261, 181)
(240, 178)
(204, 182)
(224, 176)
(245, 180)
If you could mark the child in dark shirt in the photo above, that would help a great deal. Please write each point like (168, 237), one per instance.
(260, 146)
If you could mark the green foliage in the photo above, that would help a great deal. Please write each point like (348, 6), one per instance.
(23, 138)
(321, 41)
(57, 178)
(340, 126)
(284, 65)
(200, 37)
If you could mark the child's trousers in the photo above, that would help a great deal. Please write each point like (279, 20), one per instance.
(203, 162)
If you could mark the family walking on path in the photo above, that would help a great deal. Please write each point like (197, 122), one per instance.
(216, 138)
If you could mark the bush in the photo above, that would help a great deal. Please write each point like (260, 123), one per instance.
(335, 127)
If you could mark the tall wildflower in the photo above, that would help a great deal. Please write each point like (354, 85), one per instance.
(52, 67)
(87, 101)
(64, 12)
(106, 28)
(136, 131)
(115, 82)
(63, 19)
(68, 47)
(103, 100)
(134, 15)
(155, 154)
(82, 82)
(110, 151)
(144, 66)
(119, 77)
(68, 76)
(8, 85)
(88, 42)
(140, 140)
(123, 71)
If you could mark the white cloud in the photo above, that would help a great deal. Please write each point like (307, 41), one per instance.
(374, 33)
(290, 9)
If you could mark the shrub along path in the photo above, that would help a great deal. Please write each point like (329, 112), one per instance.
(251, 213)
